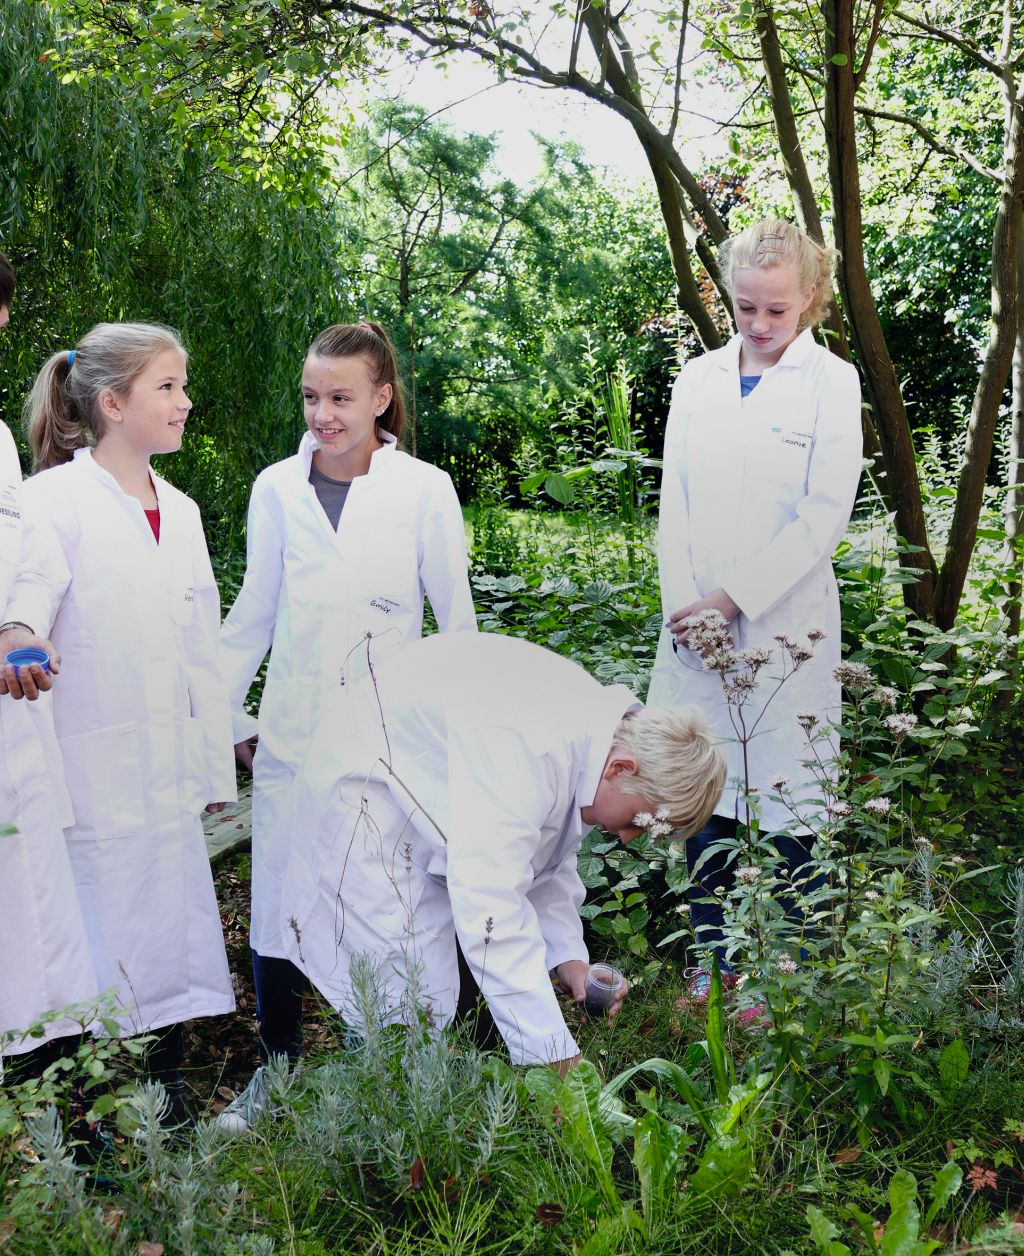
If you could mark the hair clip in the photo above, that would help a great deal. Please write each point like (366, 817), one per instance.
(71, 358)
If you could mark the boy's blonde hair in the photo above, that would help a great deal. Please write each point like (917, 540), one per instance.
(775, 242)
(680, 764)
(62, 412)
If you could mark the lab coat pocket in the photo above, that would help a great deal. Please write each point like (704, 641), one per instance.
(787, 454)
(103, 770)
(183, 600)
(286, 717)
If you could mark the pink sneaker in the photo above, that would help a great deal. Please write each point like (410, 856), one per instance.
(754, 1018)
(698, 989)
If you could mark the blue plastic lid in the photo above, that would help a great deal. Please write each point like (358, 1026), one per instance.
(27, 656)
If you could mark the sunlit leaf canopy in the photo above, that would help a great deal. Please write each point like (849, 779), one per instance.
(892, 131)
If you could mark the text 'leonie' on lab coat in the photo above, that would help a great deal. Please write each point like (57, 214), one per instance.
(46, 964)
(310, 596)
(756, 493)
(144, 726)
(457, 814)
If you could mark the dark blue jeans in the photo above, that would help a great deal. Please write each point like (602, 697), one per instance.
(717, 876)
(279, 990)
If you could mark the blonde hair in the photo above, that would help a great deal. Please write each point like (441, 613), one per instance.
(680, 764)
(62, 412)
(775, 242)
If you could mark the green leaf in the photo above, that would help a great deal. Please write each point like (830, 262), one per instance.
(680, 1081)
(945, 1185)
(558, 487)
(839, 58)
(824, 1233)
(581, 1111)
(721, 1064)
(724, 1168)
(954, 1066)
(883, 1072)
(658, 1147)
(532, 482)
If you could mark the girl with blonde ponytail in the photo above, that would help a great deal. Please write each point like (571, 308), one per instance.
(142, 715)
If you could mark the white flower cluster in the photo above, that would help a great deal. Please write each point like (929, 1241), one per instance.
(900, 725)
(839, 808)
(808, 720)
(787, 964)
(886, 697)
(779, 783)
(737, 689)
(708, 634)
(857, 677)
(878, 806)
(747, 874)
(755, 657)
(799, 654)
(655, 823)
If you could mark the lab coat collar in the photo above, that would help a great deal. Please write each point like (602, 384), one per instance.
(85, 459)
(795, 355)
(610, 705)
(379, 459)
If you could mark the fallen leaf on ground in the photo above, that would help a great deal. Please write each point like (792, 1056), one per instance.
(550, 1214)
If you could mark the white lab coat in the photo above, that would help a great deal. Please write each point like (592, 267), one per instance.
(755, 495)
(496, 744)
(46, 965)
(310, 596)
(144, 725)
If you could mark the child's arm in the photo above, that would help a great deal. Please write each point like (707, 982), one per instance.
(443, 562)
(207, 691)
(248, 630)
(39, 583)
(675, 566)
(500, 796)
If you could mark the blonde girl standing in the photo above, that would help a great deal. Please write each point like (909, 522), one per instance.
(141, 711)
(762, 460)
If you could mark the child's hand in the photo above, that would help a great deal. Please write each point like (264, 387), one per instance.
(26, 682)
(562, 1067)
(572, 977)
(717, 600)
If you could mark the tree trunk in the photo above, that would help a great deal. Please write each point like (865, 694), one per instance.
(666, 181)
(687, 292)
(995, 368)
(807, 214)
(1014, 510)
(888, 410)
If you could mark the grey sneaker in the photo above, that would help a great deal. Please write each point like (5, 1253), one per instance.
(242, 1112)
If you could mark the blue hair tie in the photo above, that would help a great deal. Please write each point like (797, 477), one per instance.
(71, 358)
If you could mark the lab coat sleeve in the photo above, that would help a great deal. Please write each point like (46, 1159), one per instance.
(443, 563)
(248, 630)
(207, 690)
(42, 574)
(675, 565)
(499, 795)
(10, 512)
(765, 576)
(557, 896)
